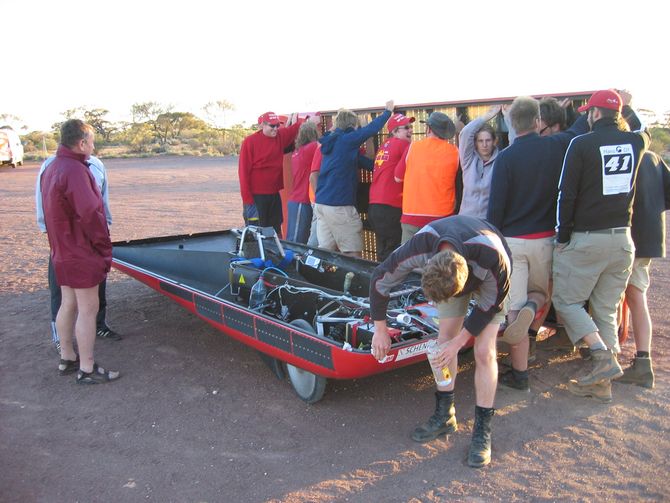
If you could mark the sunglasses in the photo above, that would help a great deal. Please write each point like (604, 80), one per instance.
(273, 126)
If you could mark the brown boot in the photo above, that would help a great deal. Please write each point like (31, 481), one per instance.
(640, 372)
(601, 391)
(605, 366)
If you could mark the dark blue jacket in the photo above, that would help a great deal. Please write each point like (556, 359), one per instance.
(652, 198)
(338, 177)
(524, 185)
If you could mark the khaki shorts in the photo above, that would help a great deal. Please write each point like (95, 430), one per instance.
(457, 307)
(531, 271)
(339, 228)
(408, 231)
(639, 278)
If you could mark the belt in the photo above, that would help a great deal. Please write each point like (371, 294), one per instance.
(615, 230)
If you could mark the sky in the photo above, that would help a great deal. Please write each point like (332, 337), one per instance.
(308, 55)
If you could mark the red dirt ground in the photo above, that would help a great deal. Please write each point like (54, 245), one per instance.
(198, 417)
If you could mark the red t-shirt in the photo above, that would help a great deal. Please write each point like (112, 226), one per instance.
(261, 164)
(315, 168)
(301, 164)
(384, 188)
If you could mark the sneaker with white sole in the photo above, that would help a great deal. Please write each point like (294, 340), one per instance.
(108, 333)
(518, 329)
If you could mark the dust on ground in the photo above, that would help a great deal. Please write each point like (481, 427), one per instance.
(197, 416)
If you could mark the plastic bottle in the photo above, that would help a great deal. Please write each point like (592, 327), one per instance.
(258, 294)
(442, 375)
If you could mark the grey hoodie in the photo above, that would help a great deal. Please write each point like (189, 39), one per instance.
(476, 173)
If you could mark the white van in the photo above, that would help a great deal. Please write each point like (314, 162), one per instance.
(11, 148)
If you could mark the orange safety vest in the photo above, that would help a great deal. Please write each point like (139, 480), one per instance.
(430, 179)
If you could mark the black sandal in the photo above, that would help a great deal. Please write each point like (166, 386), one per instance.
(98, 376)
(66, 367)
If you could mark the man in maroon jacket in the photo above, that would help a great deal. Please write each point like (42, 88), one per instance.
(81, 249)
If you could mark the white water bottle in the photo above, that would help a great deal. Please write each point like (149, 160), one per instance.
(442, 375)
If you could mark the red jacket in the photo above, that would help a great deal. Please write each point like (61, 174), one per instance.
(261, 164)
(81, 250)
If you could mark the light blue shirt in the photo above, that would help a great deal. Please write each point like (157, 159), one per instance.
(97, 169)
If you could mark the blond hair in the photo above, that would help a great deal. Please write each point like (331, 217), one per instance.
(523, 112)
(307, 133)
(444, 276)
(345, 119)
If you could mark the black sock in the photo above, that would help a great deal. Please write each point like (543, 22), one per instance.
(642, 354)
(532, 333)
(445, 394)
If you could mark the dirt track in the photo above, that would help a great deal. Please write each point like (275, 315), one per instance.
(198, 417)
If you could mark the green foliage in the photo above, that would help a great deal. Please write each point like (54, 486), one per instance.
(148, 111)
(38, 144)
(156, 129)
(660, 141)
(103, 128)
(138, 137)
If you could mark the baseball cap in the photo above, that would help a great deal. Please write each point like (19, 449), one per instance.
(398, 120)
(269, 117)
(603, 99)
(441, 125)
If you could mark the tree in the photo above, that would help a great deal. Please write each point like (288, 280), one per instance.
(139, 136)
(96, 118)
(148, 111)
(13, 121)
(169, 126)
(215, 112)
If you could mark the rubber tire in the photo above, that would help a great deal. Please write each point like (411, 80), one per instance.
(308, 386)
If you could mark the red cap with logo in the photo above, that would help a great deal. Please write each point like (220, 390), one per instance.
(603, 99)
(269, 117)
(398, 120)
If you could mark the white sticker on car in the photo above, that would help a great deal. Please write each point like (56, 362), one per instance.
(411, 351)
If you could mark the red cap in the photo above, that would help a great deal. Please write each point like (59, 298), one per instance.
(398, 120)
(269, 117)
(603, 99)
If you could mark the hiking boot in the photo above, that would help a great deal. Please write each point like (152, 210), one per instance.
(605, 366)
(559, 342)
(600, 391)
(480, 446)
(518, 329)
(585, 353)
(442, 422)
(640, 372)
(511, 379)
(108, 333)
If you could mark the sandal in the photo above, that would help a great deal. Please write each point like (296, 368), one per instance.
(98, 376)
(66, 367)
